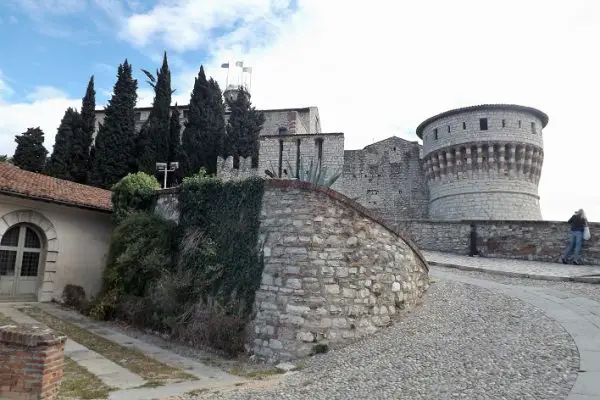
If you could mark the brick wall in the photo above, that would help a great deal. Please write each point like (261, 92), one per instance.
(31, 362)
(527, 240)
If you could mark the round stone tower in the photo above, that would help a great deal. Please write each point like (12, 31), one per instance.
(484, 162)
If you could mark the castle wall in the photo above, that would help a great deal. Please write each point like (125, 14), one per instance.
(332, 273)
(332, 151)
(484, 174)
(387, 177)
(526, 240)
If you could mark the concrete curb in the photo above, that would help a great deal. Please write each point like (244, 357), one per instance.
(581, 279)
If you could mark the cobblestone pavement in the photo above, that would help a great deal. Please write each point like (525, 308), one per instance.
(463, 342)
(518, 268)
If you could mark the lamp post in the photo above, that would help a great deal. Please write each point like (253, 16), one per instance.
(162, 167)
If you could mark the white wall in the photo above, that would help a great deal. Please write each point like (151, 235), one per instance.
(79, 252)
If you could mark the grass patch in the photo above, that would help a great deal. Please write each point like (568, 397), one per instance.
(131, 359)
(255, 374)
(79, 383)
(4, 320)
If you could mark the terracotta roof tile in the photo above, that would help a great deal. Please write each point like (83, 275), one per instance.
(14, 180)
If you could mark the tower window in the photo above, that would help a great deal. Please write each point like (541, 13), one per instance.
(280, 158)
(319, 144)
(483, 124)
(464, 125)
(519, 123)
(138, 115)
(533, 129)
(435, 134)
(283, 130)
(448, 128)
(504, 123)
(297, 159)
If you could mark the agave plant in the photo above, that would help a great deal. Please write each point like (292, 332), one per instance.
(314, 173)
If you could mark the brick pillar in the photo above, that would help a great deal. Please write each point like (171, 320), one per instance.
(31, 362)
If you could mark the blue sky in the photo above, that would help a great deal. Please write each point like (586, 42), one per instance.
(68, 41)
(374, 68)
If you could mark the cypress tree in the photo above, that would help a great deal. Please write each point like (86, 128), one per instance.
(204, 131)
(114, 155)
(243, 128)
(30, 153)
(175, 149)
(59, 164)
(84, 136)
(153, 140)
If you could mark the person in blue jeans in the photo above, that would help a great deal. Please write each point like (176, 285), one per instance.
(578, 223)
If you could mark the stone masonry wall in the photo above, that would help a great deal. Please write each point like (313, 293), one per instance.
(31, 362)
(527, 240)
(333, 272)
(387, 177)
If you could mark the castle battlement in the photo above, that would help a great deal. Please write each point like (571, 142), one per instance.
(226, 171)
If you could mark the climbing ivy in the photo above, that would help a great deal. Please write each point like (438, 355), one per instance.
(227, 214)
(133, 193)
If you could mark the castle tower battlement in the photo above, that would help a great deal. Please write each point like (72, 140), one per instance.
(484, 162)
(226, 171)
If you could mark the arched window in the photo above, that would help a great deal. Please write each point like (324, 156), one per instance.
(21, 253)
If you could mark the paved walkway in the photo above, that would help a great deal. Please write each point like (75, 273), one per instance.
(208, 377)
(517, 268)
(110, 373)
(579, 316)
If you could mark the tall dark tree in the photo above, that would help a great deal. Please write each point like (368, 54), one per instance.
(59, 164)
(175, 149)
(153, 140)
(243, 127)
(114, 155)
(30, 153)
(84, 137)
(205, 126)
(70, 156)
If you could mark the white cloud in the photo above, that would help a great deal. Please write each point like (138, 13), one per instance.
(41, 93)
(45, 109)
(186, 24)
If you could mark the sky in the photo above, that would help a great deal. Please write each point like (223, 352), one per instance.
(374, 69)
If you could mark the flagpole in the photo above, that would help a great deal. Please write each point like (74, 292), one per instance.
(227, 79)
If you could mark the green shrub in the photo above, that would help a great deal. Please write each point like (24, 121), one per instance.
(134, 192)
(320, 348)
(197, 280)
(141, 250)
(73, 296)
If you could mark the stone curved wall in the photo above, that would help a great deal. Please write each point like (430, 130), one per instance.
(334, 272)
(484, 174)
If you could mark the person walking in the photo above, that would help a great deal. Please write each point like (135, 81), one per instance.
(578, 222)
(473, 242)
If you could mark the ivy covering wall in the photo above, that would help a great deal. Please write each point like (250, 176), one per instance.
(195, 280)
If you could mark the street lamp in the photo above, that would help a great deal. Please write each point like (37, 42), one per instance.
(162, 167)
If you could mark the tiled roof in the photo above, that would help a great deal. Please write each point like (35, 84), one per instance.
(16, 181)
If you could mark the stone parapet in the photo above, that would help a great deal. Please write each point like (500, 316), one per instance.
(526, 240)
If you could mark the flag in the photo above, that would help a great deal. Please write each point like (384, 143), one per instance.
(239, 63)
(247, 69)
(225, 65)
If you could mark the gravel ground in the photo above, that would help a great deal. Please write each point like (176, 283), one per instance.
(464, 342)
(591, 291)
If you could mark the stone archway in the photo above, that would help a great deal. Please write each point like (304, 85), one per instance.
(45, 284)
